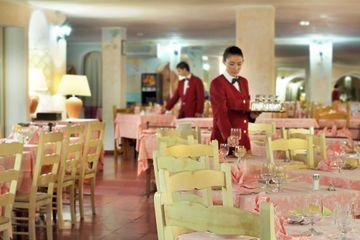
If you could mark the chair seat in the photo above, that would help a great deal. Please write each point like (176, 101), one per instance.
(4, 220)
(25, 197)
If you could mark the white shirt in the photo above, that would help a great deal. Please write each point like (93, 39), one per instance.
(230, 78)
(186, 83)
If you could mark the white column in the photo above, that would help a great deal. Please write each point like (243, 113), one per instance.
(319, 86)
(255, 35)
(114, 78)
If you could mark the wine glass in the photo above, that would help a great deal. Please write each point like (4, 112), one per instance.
(279, 177)
(223, 151)
(313, 211)
(343, 220)
(266, 174)
(240, 152)
(234, 138)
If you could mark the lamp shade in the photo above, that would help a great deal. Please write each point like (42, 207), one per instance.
(74, 85)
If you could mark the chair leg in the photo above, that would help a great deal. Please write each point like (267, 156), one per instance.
(116, 153)
(49, 231)
(81, 199)
(72, 204)
(32, 230)
(93, 195)
(6, 234)
(59, 204)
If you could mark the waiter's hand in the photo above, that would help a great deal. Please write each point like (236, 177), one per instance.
(198, 115)
(254, 115)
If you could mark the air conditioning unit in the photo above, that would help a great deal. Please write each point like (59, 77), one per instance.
(139, 48)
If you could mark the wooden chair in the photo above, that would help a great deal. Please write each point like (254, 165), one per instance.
(91, 154)
(260, 131)
(177, 217)
(192, 151)
(176, 134)
(296, 133)
(319, 147)
(9, 176)
(293, 144)
(69, 169)
(36, 199)
(119, 146)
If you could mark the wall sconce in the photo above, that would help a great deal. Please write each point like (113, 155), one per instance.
(62, 31)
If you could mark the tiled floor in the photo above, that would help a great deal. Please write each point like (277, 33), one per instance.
(122, 211)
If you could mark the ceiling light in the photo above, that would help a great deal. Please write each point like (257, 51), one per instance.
(205, 58)
(304, 23)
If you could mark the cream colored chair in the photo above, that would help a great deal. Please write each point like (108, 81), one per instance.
(296, 133)
(175, 133)
(293, 144)
(174, 218)
(91, 155)
(259, 132)
(69, 169)
(36, 199)
(9, 176)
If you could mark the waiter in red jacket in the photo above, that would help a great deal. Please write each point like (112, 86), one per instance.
(230, 100)
(190, 90)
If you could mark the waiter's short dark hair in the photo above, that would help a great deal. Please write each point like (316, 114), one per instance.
(183, 65)
(233, 50)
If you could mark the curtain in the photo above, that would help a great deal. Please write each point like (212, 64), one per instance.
(93, 71)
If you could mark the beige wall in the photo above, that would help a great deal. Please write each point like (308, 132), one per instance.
(340, 70)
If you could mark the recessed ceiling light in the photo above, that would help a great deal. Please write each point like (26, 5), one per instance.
(304, 23)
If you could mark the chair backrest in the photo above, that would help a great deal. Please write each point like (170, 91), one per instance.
(192, 151)
(93, 145)
(292, 144)
(299, 132)
(319, 142)
(47, 163)
(175, 133)
(176, 217)
(261, 129)
(72, 152)
(10, 176)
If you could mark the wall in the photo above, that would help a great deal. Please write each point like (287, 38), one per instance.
(77, 51)
(2, 85)
(340, 70)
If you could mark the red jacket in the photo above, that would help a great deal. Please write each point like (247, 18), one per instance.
(193, 100)
(231, 109)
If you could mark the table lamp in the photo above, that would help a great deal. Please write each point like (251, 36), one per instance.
(37, 85)
(74, 85)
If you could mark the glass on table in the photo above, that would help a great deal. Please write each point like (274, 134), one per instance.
(266, 174)
(313, 210)
(343, 219)
(279, 177)
(223, 151)
(240, 152)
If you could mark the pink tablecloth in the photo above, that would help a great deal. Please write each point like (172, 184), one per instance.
(196, 122)
(290, 122)
(326, 226)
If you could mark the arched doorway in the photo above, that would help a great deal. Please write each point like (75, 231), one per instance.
(92, 67)
(349, 87)
(295, 90)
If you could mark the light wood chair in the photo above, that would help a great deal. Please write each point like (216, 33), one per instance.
(71, 157)
(293, 144)
(192, 151)
(91, 154)
(259, 132)
(119, 145)
(184, 134)
(174, 218)
(9, 176)
(36, 199)
(296, 133)
(319, 147)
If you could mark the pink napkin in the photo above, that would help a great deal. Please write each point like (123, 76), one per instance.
(241, 177)
(327, 164)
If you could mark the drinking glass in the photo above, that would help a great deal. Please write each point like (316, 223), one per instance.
(234, 138)
(240, 152)
(223, 151)
(266, 174)
(344, 220)
(313, 211)
(279, 177)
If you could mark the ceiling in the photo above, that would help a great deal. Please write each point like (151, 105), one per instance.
(338, 20)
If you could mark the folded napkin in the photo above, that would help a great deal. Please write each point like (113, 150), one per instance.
(326, 164)
(279, 221)
(242, 179)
